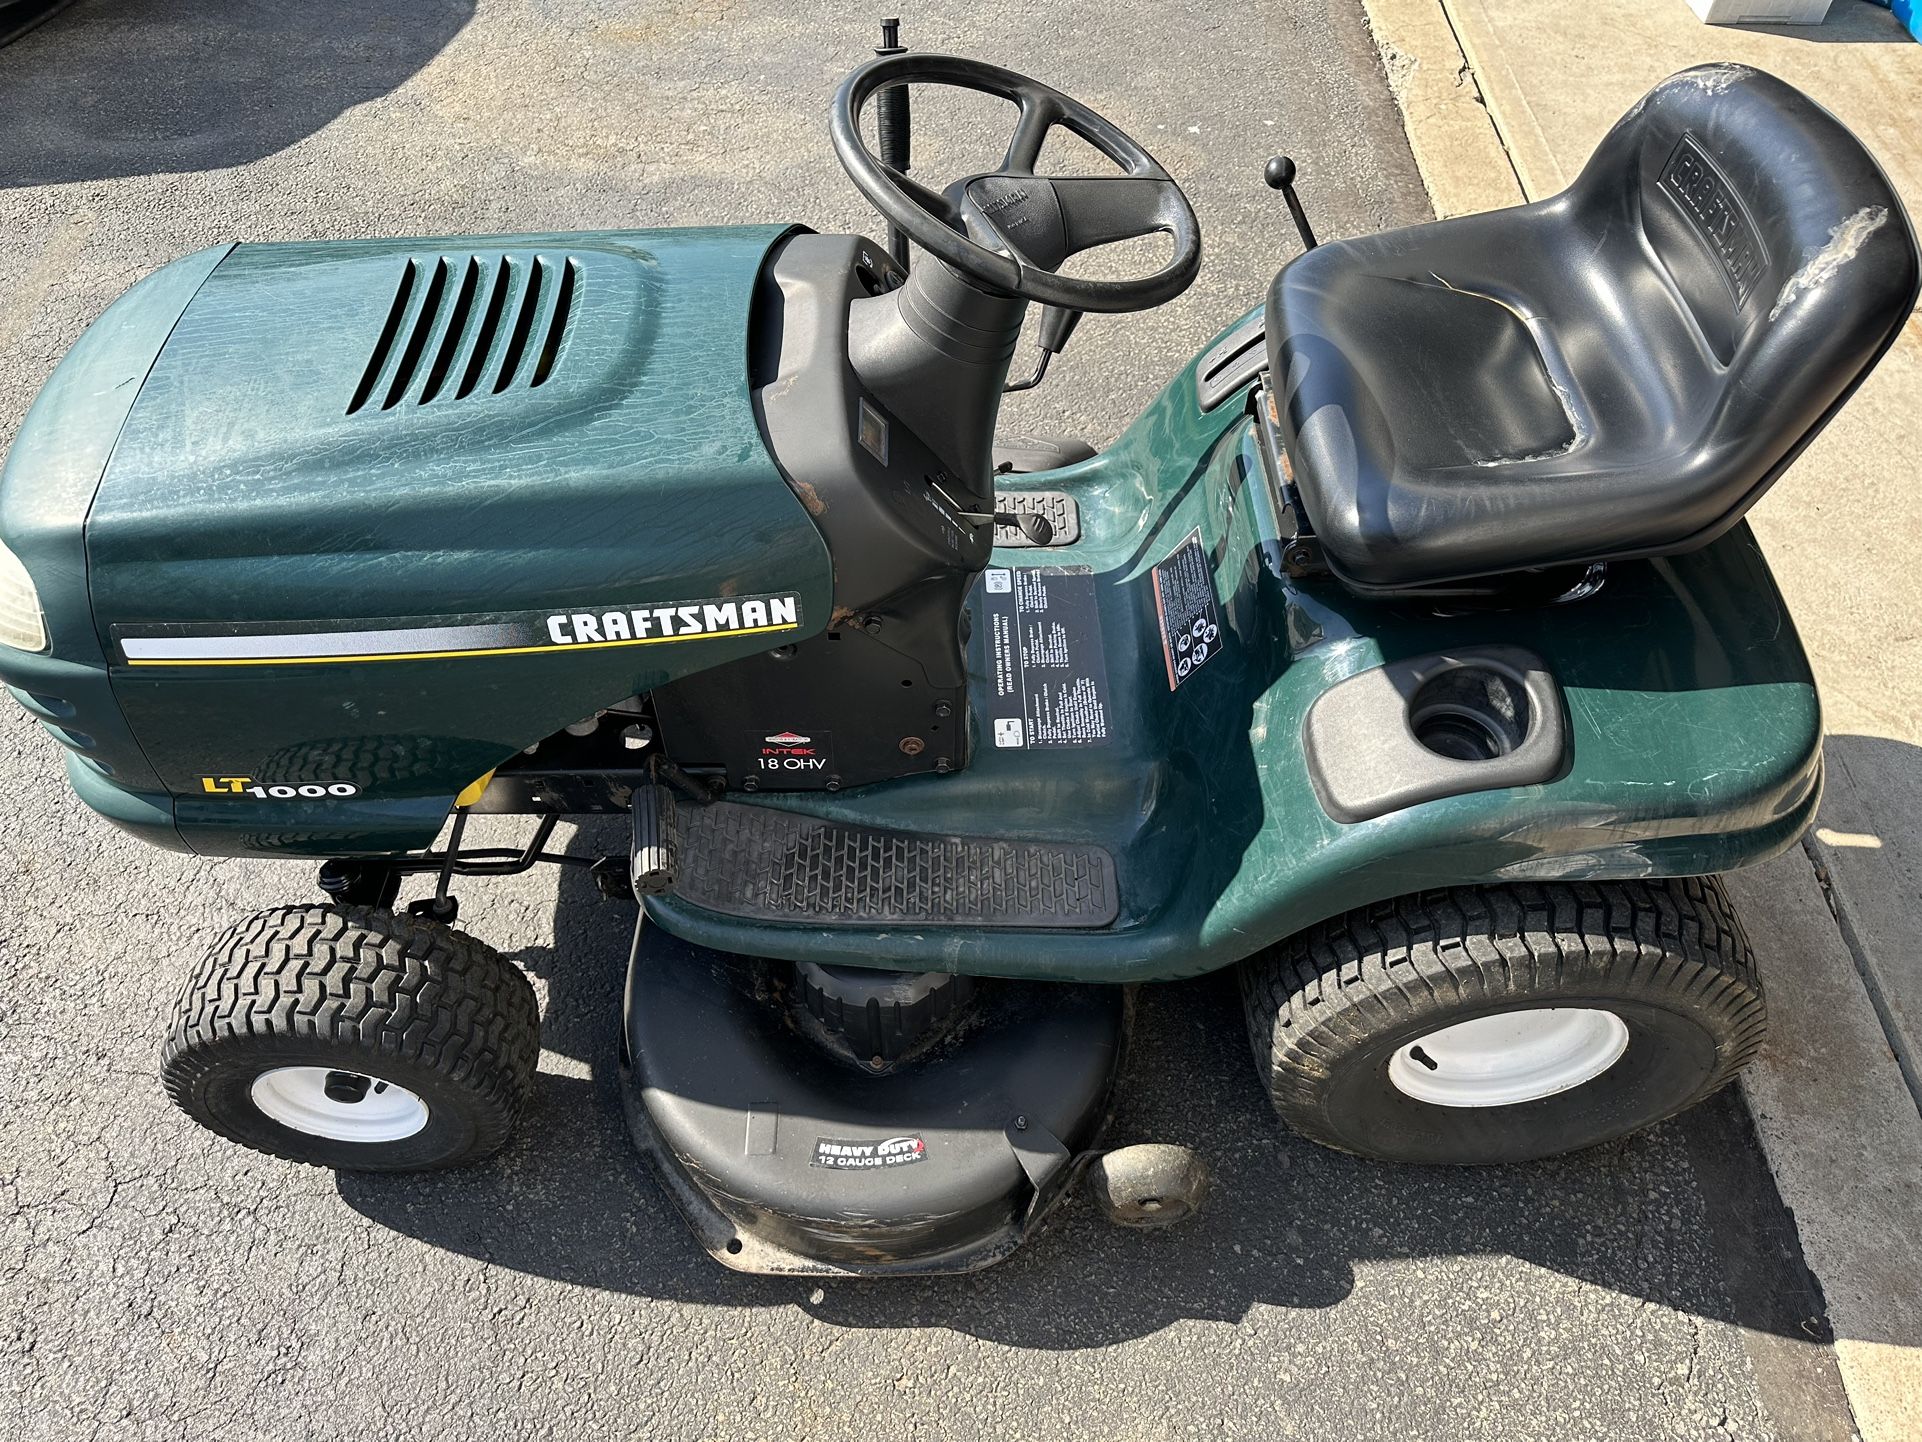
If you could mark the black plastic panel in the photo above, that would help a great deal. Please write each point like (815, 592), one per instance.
(883, 692)
(774, 865)
(1232, 362)
(1023, 455)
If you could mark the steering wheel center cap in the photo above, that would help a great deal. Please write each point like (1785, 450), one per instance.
(1020, 214)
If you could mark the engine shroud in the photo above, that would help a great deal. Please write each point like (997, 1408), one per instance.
(325, 532)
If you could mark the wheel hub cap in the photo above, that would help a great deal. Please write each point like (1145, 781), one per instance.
(1511, 1057)
(342, 1106)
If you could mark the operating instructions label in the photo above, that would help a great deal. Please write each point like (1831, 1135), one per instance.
(1190, 616)
(1050, 685)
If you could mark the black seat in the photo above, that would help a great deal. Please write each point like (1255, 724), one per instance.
(1619, 370)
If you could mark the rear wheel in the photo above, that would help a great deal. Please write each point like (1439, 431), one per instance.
(354, 1037)
(1501, 1024)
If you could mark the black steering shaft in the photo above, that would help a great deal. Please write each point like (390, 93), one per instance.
(936, 351)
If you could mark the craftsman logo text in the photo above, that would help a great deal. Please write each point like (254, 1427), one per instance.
(664, 623)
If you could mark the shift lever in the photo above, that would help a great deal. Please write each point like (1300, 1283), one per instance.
(1038, 529)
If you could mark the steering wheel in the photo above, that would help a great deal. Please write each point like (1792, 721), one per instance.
(1009, 230)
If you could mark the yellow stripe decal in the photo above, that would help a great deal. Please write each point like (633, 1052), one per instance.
(447, 655)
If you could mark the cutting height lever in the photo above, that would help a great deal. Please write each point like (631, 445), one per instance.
(1280, 175)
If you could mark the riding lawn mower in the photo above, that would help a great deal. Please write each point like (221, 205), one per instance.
(1409, 654)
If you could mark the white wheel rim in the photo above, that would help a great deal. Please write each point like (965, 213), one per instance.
(1510, 1057)
(321, 1102)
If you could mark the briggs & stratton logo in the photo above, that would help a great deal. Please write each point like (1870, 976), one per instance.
(791, 751)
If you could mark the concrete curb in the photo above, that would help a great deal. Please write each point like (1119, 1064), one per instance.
(1458, 148)
(1835, 1093)
(1865, 860)
(1530, 157)
(1843, 1139)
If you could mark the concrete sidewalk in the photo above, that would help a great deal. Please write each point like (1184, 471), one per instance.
(1504, 100)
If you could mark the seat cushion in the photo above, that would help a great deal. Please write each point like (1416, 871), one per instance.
(1620, 370)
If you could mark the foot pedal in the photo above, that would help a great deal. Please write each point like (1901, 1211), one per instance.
(1057, 507)
(651, 862)
(770, 865)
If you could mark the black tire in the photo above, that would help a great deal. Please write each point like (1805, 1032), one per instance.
(356, 990)
(1329, 1008)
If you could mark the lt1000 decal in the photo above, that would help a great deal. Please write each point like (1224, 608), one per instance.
(247, 786)
(519, 633)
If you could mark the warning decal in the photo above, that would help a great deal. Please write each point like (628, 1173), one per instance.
(1185, 603)
(1050, 684)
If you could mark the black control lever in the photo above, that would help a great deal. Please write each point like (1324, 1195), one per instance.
(1057, 325)
(1038, 529)
(1280, 175)
(893, 128)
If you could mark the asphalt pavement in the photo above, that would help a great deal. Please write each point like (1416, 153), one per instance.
(158, 1283)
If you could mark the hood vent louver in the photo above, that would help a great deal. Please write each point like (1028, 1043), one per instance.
(464, 325)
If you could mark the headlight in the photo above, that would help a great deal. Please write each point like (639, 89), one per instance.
(21, 626)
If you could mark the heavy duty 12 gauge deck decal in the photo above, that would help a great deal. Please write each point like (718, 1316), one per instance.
(1050, 683)
(1185, 604)
(848, 1156)
(434, 638)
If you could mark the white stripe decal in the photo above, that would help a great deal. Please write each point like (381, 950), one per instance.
(316, 643)
(243, 644)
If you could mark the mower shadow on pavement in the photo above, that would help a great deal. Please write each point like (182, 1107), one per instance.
(1685, 1216)
(135, 87)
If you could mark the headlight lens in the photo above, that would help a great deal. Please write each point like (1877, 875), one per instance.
(21, 625)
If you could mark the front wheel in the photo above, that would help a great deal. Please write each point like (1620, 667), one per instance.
(1505, 1023)
(354, 1037)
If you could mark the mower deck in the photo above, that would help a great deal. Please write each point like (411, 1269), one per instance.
(787, 1158)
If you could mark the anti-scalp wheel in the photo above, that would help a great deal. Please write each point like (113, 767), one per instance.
(354, 1037)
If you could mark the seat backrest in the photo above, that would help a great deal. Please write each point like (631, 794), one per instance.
(1616, 371)
(1779, 231)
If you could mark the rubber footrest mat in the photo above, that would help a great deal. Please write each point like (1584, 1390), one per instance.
(769, 865)
(1057, 506)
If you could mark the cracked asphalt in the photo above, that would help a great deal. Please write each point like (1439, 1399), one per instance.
(157, 1283)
